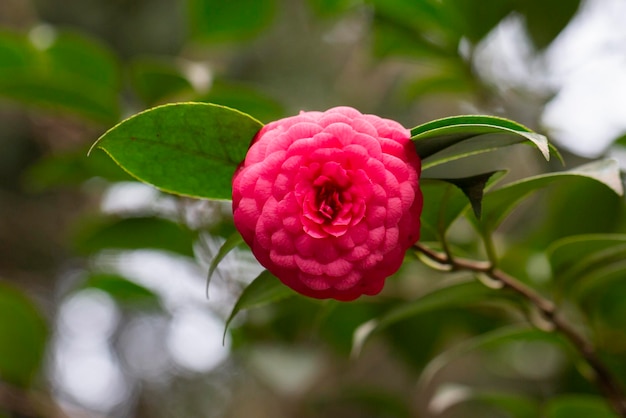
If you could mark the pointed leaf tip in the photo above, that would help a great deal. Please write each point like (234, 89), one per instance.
(540, 141)
(189, 149)
(265, 289)
(230, 244)
(498, 204)
(605, 171)
(473, 188)
(471, 135)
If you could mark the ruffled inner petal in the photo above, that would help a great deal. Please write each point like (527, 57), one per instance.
(309, 265)
(330, 201)
(338, 268)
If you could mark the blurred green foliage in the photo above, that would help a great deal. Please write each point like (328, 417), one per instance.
(67, 74)
(23, 337)
(124, 291)
(60, 70)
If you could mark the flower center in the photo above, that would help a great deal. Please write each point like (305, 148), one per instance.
(328, 200)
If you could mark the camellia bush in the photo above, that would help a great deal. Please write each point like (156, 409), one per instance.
(332, 203)
(394, 250)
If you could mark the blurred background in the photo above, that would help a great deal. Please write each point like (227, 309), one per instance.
(103, 306)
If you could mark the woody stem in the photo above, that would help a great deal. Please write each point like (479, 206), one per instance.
(602, 376)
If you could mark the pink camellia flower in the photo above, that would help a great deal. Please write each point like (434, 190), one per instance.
(329, 202)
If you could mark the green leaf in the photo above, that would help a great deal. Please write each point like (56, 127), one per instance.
(263, 290)
(469, 147)
(72, 74)
(591, 269)
(135, 233)
(605, 308)
(598, 210)
(512, 404)
(433, 219)
(72, 169)
(489, 339)
(230, 244)
(476, 19)
(413, 28)
(72, 53)
(473, 188)
(600, 278)
(497, 204)
(447, 201)
(123, 291)
(621, 141)
(157, 80)
(545, 19)
(331, 8)
(578, 406)
(245, 99)
(336, 321)
(518, 406)
(424, 17)
(16, 54)
(233, 20)
(573, 257)
(63, 94)
(446, 79)
(190, 149)
(392, 37)
(451, 296)
(371, 402)
(23, 336)
(435, 136)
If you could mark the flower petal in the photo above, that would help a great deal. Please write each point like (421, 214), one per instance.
(329, 202)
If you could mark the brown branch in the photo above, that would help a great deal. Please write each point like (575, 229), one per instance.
(603, 377)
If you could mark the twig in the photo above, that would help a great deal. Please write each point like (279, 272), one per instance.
(603, 377)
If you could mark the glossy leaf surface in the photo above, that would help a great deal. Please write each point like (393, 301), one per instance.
(438, 135)
(498, 203)
(189, 149)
